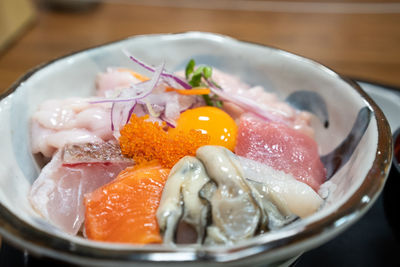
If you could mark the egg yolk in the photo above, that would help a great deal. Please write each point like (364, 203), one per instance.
(215, 122)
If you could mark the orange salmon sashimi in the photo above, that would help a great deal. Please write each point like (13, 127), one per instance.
(124, 210)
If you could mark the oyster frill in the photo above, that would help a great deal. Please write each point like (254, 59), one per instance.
(235, 213)
(180, 199)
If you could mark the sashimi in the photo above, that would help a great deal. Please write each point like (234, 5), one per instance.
(232, 85)
(57, 194)
(287, 193)
(282, 148)
(113, 79)
(110, 156)
(125, 210)
(105, 152)
(59, 122)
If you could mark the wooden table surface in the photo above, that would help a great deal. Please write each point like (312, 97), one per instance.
(360, 39)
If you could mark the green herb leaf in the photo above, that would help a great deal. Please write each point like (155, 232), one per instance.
(198, 71)
(189, 68)
(196, 80)
(208, 100)
(219, 103)
(198, 77)
(207, 72)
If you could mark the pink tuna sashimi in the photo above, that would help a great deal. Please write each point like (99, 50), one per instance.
(57, 194)
(282, 148)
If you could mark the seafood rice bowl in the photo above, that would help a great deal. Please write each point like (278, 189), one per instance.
(186, 149)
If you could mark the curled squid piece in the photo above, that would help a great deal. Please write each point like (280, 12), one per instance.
(289, 195)
(180, 200)
(276, 214)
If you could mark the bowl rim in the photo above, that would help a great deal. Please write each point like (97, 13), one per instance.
(20, 233)
(396, 140)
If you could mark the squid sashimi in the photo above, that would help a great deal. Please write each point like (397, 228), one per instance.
(233, 86)
(57, 194)
(112, 79)
(59, 122)
(282, 148)
(125, 210)
(287, 193)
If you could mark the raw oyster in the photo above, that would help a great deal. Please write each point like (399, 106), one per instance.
(227, 198)
(235, 213)
(180, 199)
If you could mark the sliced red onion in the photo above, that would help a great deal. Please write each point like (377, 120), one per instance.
(136, 91)
(245, 103)
(180, 81)
(171, 123)
(173, 83)
(120, 114)
(124, 105)
(130, 112)
(157, 99)
(188, 107)
(112, 100)
(112, 117)
(157, 108)
(172, 107)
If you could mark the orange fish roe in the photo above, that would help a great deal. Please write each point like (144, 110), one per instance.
(144, 140)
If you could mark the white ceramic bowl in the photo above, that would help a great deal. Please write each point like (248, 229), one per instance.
(358, 183)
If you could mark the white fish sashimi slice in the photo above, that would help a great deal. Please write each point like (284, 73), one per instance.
(57, 194)
(104, 152)
(287, 192)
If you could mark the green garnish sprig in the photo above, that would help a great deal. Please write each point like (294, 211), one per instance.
(196, 78)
